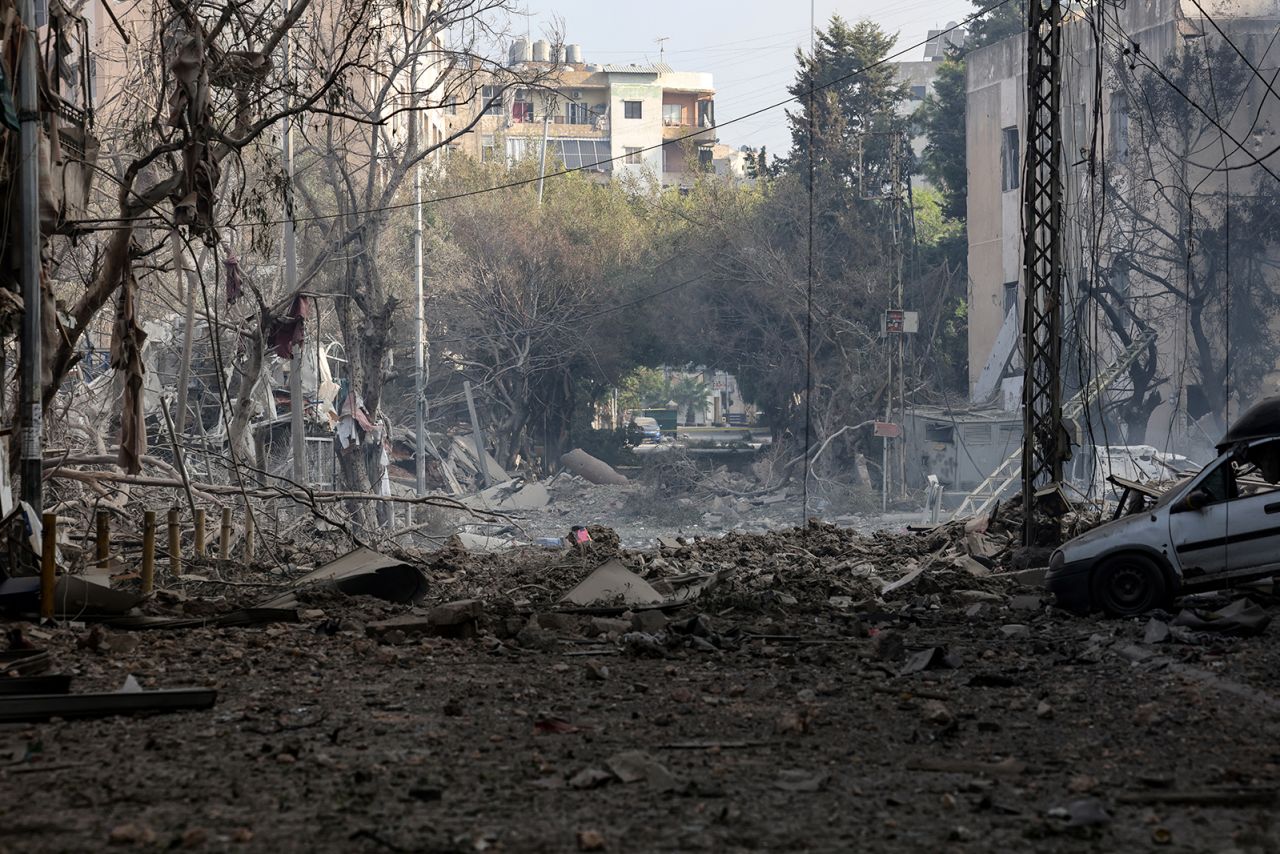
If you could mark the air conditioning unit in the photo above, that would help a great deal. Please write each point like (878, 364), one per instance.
(575, 94)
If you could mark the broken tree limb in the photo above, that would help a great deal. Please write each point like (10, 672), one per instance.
(177, 458)
(211, 490)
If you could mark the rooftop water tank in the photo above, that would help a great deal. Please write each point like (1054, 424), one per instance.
(574, 54)
(541, 51)
(519, 52)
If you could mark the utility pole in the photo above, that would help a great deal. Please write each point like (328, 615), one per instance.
(31, 413)
(1044, 442)
(547, 101)
(896, 151)
(297, 402)
(420, 378)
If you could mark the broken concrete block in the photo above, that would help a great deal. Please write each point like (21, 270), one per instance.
(1028, 602)
(557, 622)
(405, 626)
(612, 583)
(589, 468)
(650, 621)
(608, 626)
(456, 613)
(1030, 577)
(1015, 630)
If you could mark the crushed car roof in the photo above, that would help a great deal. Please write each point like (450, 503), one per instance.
(1259, 421)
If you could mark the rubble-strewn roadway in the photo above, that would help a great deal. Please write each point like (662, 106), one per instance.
(799, 702)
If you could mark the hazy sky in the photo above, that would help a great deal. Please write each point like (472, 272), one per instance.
(747, 44)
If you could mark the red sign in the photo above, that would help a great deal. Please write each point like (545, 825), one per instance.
(887, 430)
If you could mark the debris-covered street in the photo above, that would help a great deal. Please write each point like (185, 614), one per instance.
(452, 426)
(814, 694)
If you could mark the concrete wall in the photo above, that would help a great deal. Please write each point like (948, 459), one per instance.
(643, 132)
(996, 99)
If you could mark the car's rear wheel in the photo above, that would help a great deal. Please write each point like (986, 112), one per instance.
(1127, 585)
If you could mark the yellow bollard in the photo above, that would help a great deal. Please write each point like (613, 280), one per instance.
(224, 535)
(48, 547)
(199, 532)
(175, 544)
(149, 551)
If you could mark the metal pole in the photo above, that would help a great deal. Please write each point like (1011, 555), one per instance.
(542, 166)
(186, 293)
(1044, 447)
(476, 434)
(48, 564)
(103, 552)
(29, 254)
(148, 551)
(297, 427)
(420, 384)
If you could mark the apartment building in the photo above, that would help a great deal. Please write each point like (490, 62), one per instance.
(644, 121)
(1144, 251)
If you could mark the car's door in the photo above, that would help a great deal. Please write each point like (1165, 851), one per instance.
(1238, 532)
(1199, 535)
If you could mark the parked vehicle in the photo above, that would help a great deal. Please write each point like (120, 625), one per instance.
(646, 429)
(1217, 529)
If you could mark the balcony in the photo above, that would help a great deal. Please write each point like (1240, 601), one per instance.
(693, 133)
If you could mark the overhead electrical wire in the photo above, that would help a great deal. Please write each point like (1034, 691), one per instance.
(523, 182)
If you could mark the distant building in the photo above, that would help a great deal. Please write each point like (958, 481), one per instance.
(613, 120)
(920, 75)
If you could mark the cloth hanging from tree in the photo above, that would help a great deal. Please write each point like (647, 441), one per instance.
(287, 331)
(234, 282)
(126, 358)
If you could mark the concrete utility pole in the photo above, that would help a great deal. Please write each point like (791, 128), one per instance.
(420, 383)
(542, 165)
(297, 425)
(1044, 443)
(30, 415)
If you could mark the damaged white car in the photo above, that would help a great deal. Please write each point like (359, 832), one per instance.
(1218, 529)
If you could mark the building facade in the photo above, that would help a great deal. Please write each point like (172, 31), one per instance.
(1149, 175)
(615, 121)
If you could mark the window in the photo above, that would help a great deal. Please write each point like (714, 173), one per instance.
(631, 110)
(491, 100)
(673, 115)
(1010, 296)
(578, 114)
(632, 154)
(1010, 154)
(976, 434)
(521, 111)
(580, 153)
(917, 93)
(942, 433)
(669, 157)
(704, 158)
(706, 114)
(520, 147)
(1119, 127)
(487, 147)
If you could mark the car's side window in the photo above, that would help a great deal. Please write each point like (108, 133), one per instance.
(1220, 484)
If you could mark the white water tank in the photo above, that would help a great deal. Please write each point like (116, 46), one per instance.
(558, 52)
(574, 53)
(520, 52)
(541, 51)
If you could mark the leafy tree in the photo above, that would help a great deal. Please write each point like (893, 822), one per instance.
(1001, 22)
(849, 94)
(942, 120)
